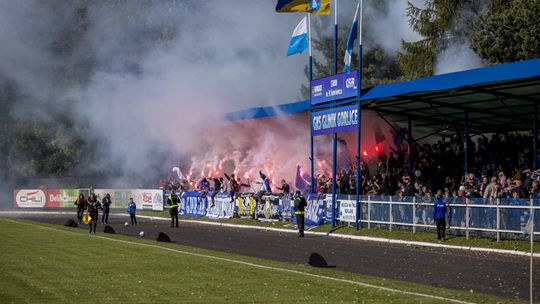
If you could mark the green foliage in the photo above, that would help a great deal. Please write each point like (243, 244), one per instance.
(509, 34)
(440, 23)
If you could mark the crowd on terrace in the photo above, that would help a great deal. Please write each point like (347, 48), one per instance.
(498, 167)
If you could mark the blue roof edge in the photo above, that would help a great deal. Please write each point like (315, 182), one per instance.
(502, 72)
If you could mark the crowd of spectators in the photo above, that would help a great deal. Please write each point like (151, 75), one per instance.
(499, 167)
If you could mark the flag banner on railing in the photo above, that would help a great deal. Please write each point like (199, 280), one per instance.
(191, 205)
(221, 208)
(286, 207)
(268, 209)
(245, 205)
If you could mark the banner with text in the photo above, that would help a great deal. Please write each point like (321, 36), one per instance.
(192, 204)
(335, 87)
(221, 208)
(342, 119)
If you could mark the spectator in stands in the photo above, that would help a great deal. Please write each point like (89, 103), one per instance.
(215, 189)
(203, 187)
(285, 188)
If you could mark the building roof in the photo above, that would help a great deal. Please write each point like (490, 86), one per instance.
(497, 98)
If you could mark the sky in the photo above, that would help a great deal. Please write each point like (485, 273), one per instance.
(153, 97)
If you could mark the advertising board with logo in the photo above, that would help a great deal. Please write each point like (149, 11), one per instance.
(335, 87)
(30, 198)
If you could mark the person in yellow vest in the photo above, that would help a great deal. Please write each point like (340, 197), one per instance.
(173, 202)
(299, 206)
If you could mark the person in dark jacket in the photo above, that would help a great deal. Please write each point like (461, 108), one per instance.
(215, 191)
(80, 202)
(93, 210)
(173, 200)
(439, 214)
(106, 204)
(299, 207)
(132, 209)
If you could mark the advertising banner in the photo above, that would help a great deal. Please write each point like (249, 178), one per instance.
(222, 208)
(342, 119)
(190, 205)
(347, 211)
(335, 87)
(29, 198)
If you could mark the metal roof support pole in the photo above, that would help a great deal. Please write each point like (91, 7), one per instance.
(312, 171)
(535, 138)
(359, 127)
(410, 142)
(334, 144)
(466, 143)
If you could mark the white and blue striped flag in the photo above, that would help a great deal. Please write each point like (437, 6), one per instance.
(299, 42)
(350, 42)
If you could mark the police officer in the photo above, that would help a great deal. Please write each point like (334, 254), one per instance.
(106, 204)
(173, 200)
(299, 206)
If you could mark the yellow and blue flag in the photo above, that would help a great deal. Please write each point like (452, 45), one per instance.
(316, 7)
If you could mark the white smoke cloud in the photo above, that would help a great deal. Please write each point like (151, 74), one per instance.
(457, 57)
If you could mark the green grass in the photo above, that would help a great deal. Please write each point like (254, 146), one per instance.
(398, 234)
(43, 263)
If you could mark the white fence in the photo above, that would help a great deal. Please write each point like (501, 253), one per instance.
(506, 218)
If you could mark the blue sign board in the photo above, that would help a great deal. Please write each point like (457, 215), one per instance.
(335, 87)
(343, 119)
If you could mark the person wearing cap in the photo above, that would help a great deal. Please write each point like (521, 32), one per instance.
(132, 209)
(106, 205)
(299, 206)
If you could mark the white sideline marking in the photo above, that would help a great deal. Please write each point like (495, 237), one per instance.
(335, 235)
(260, 266)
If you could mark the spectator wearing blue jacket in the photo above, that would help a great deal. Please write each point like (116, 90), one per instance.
(132, 209)
(439, 214)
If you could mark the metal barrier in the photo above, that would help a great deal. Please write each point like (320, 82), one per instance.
(511, 218)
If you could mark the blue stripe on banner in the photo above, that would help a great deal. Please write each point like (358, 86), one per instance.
(297, 45)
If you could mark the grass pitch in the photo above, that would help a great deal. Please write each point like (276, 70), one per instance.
(41, 263)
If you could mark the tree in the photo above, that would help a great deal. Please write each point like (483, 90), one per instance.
(440, 22)
(509, 34)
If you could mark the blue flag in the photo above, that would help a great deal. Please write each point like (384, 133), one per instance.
(350, 42)
(299, 37)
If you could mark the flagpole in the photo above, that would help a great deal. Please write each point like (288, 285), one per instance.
(334, 144)
(359, 127)
(312, 176)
